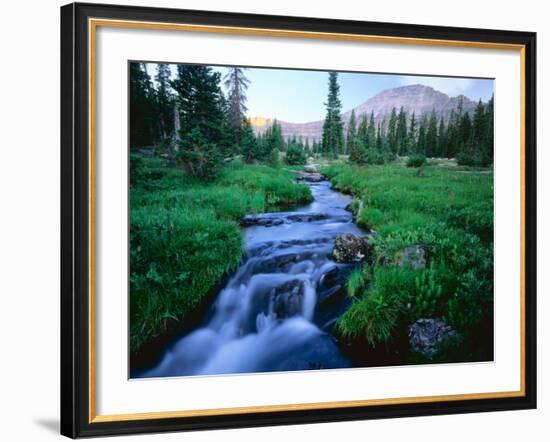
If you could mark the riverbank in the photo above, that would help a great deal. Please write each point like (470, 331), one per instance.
(432, 263)
(278, 309)
(185, 236)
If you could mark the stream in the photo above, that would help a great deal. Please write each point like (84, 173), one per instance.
(277, 310)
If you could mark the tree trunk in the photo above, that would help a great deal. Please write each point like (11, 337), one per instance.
(176, 128)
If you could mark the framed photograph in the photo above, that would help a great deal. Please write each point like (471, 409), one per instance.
(275, 220)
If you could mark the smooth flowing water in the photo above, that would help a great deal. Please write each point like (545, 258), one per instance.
(276, 310)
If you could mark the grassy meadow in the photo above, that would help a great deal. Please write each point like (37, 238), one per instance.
(185, 236)
(448, 211)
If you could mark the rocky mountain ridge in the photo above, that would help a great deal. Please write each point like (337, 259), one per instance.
(416, 98)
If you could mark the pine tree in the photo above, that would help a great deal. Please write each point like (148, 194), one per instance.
(442, 140)
(315, 147)
(236, 84)
(371, 130)
(489, 127)
(411, 137)
(295, 154)
(249, 143)
(379, 139)
(460, 106)
(465, 130)
(401, 132)
(479, 132)
(363, 133)
(202, 120)
(227, 136)
(200, 101)
(143, 112)
(466, 154)
(272, 141)
(421, 141)
(392, 132)
(431, 135)
(165, 100)
(351, 133)
(452, 135)
(355, 148)
(333, 132)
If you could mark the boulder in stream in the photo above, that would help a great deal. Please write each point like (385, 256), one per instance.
(287, 299)
(310, 168)
(315, 177)
(259, 220)
(350, 248)
(306, 217)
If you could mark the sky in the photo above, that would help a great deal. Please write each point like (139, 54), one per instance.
(298, 96)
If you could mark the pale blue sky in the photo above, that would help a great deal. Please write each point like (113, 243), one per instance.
(297, 96)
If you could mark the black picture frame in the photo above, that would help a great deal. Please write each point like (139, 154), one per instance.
(75, 220)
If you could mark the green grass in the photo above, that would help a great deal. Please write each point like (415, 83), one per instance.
(185, 236)
(357, 281)
(375, 314)
(447, 210)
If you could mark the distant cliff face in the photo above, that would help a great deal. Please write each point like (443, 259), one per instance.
(418, 98)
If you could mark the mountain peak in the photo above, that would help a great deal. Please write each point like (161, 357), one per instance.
(418, 98)
(411, 87)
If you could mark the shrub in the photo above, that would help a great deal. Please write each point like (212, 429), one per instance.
(473, 159)
(357, 153)
(198, 158)
(295, 156)
(360, 155)
(137, 166)
(427, 297)
(374, 156)
(473, 297)
(416, 160)
(274, 159)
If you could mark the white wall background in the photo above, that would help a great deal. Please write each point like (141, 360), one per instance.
(29, 220)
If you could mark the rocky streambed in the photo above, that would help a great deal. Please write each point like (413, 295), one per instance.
(277, 311)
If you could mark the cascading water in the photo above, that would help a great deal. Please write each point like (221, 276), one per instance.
(275, 311)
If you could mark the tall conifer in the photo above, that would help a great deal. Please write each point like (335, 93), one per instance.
(333, 131)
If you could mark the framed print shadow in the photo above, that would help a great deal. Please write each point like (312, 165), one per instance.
(272, 220)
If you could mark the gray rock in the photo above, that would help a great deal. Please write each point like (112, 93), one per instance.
(351, 248)
(310, 177)
(280, 263)
(306, 217)
(331, 296)
(330, 277)
(412, 256)
(259, 220)
(427, 336)
(287, 299)
(310, 168)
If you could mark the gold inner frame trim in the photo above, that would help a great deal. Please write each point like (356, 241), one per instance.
(93, 23)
